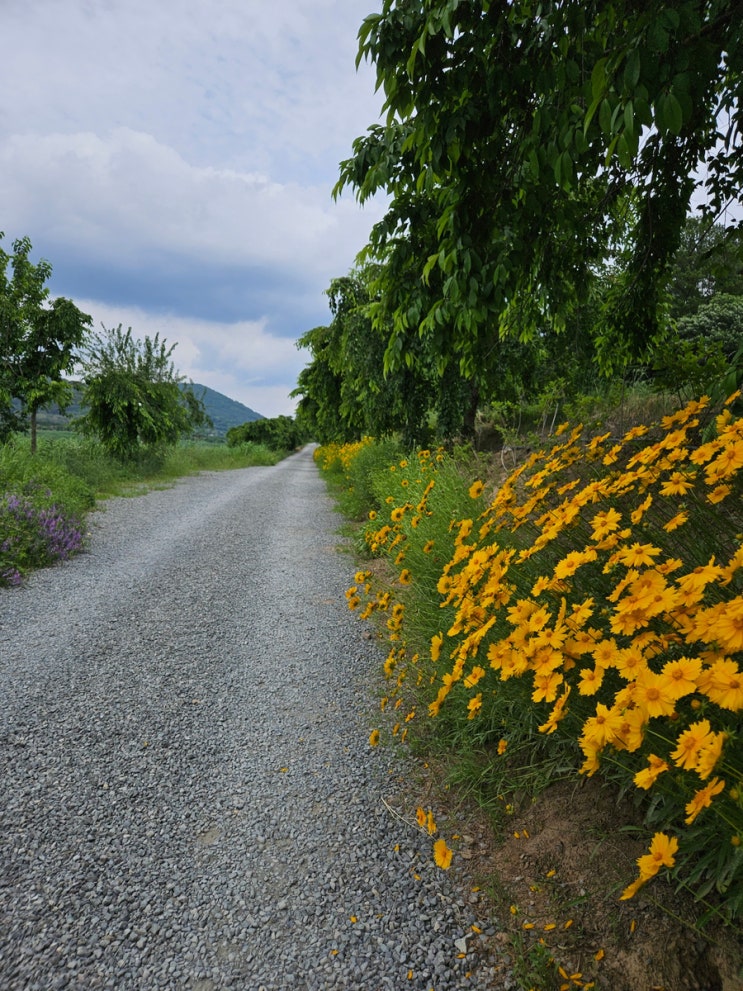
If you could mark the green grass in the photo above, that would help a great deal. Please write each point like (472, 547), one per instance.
(72, 473)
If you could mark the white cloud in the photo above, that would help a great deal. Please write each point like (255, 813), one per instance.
(125, 190)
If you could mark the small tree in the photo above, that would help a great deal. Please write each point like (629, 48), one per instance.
(38, 343)
(133, 395)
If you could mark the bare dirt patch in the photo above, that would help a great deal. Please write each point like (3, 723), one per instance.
(552, 872)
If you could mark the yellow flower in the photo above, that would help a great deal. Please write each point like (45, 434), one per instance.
(605, 653)
(502, 744)
(709, 754)
(719, 493)
(650, 774)
(728, 627)
(723, 683)
(558, 711)
(605, 523)
(634, 432)
(676, 521)
(681, 675)
(374, 738)
(690, 742)
(702, 799)
(662, 854)
(638, 513)
(405, 577)
(428, 546)
(637, 555)
(590, 680)
(430, 823)
(421, 817)
(572, 561)
(436, 642)
(678, 484)
(474, 705)
(602, 728)
(474, 676)
(653, 694)
(546, 686)
(372, 514)
(442, 855)
(475, 490)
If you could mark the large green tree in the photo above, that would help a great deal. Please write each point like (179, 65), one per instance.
(39, 340)
(349, 389)
(133, 395)
(520, 138)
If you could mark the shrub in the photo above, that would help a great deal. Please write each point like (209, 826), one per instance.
(36, 533)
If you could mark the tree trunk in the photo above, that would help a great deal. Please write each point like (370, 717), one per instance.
(33, 431)
(470, 413)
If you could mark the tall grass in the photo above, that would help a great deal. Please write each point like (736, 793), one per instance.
(44, 497)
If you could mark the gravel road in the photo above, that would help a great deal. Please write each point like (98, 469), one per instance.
(187, 797)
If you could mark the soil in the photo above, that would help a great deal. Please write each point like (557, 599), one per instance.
(552, 877)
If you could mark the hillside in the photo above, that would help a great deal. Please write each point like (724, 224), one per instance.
(223, 412)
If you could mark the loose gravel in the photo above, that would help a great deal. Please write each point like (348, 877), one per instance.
(187, 796)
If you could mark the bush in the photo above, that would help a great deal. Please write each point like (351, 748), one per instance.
(278, 433)
(36, 533)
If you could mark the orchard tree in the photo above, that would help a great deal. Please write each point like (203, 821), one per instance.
(134, 395)
(39, 341)
(531, 132)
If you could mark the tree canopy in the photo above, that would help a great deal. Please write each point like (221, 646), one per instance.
(39, 341)
(522, 140)
(133, 394)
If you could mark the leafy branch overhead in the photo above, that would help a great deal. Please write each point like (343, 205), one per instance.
(522, 142)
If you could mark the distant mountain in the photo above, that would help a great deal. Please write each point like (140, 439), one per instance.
(222, 411)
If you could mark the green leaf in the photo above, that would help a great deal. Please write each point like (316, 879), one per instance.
(669, 115)
(598, 79)
(624, 154)
(629, 117)
(632, 70)
(605, 117)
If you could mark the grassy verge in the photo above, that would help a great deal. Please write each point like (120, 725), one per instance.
(565, 643)
(44, 498)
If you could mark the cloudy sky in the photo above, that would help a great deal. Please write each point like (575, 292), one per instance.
(174, 162)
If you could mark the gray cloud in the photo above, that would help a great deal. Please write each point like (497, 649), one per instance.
(174, 162)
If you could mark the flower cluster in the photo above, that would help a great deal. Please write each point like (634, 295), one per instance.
(338, 456)
(605, 580)
(33, 535)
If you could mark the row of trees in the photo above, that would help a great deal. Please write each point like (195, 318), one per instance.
(540, 162)
(277, 433)
(348, 389)
(133, 395)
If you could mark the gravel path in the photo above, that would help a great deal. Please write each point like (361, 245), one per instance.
(187, 797)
